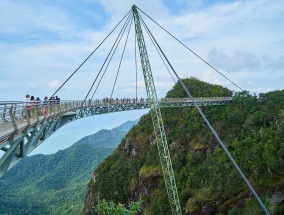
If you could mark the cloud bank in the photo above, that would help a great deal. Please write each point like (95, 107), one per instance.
(47, 41)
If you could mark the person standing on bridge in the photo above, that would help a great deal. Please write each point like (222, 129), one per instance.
(57, 103)
(33, 106)
(45, 106)
(38, 106)
(28, 106)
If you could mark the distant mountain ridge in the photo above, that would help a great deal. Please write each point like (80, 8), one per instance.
(107, 138)
(55, 184)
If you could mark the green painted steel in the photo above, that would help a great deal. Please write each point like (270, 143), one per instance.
(161, 139)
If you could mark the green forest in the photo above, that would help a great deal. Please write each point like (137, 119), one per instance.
(56, 183)
(50, 184)
(251, 127)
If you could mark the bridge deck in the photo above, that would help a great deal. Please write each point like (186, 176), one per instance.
(14, 116)
(22, 129)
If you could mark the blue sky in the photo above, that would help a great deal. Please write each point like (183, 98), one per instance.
(43, 42)
(76, 130)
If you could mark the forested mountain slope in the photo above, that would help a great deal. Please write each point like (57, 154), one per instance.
(56, 183)
(252, 128)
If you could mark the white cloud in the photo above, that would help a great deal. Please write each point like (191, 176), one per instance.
(133, 85)
(44, 43)
(238, 60)
(212, 77)
(54, 85)
(276, 65)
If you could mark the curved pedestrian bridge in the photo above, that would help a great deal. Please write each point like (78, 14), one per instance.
(23, 128)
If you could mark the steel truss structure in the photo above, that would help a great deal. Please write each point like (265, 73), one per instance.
(157, 120)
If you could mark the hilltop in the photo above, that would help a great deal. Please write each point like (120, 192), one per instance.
(252, 128)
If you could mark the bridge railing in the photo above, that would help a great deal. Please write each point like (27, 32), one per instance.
(13, 113)
(108, 101)
(8, 112)
(170, 100)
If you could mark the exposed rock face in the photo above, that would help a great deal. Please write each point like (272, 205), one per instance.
(89, 200)
(146, 183)
(130, 148)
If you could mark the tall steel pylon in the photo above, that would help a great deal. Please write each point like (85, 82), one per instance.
(161, 138)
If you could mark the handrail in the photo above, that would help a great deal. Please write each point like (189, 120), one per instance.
(15, 113)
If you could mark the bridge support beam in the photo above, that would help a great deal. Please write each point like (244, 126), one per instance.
(22, 144)
(8, 157)
(161, 139)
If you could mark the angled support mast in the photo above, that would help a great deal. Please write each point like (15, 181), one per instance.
(161, 139)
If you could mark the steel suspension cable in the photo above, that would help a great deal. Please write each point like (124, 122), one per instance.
(191, 50)
(120, 37)
(211, 128)
(121, 58)
(90, 55)
(123, 29)
(135, 62)
(159, 53)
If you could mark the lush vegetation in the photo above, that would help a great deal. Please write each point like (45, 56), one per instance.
(56, 184)
(109, 208)
(251, 127)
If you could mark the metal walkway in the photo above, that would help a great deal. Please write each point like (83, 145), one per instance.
(20, 134)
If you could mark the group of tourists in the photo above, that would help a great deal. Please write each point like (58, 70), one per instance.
(36, 107)
(107, 100)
